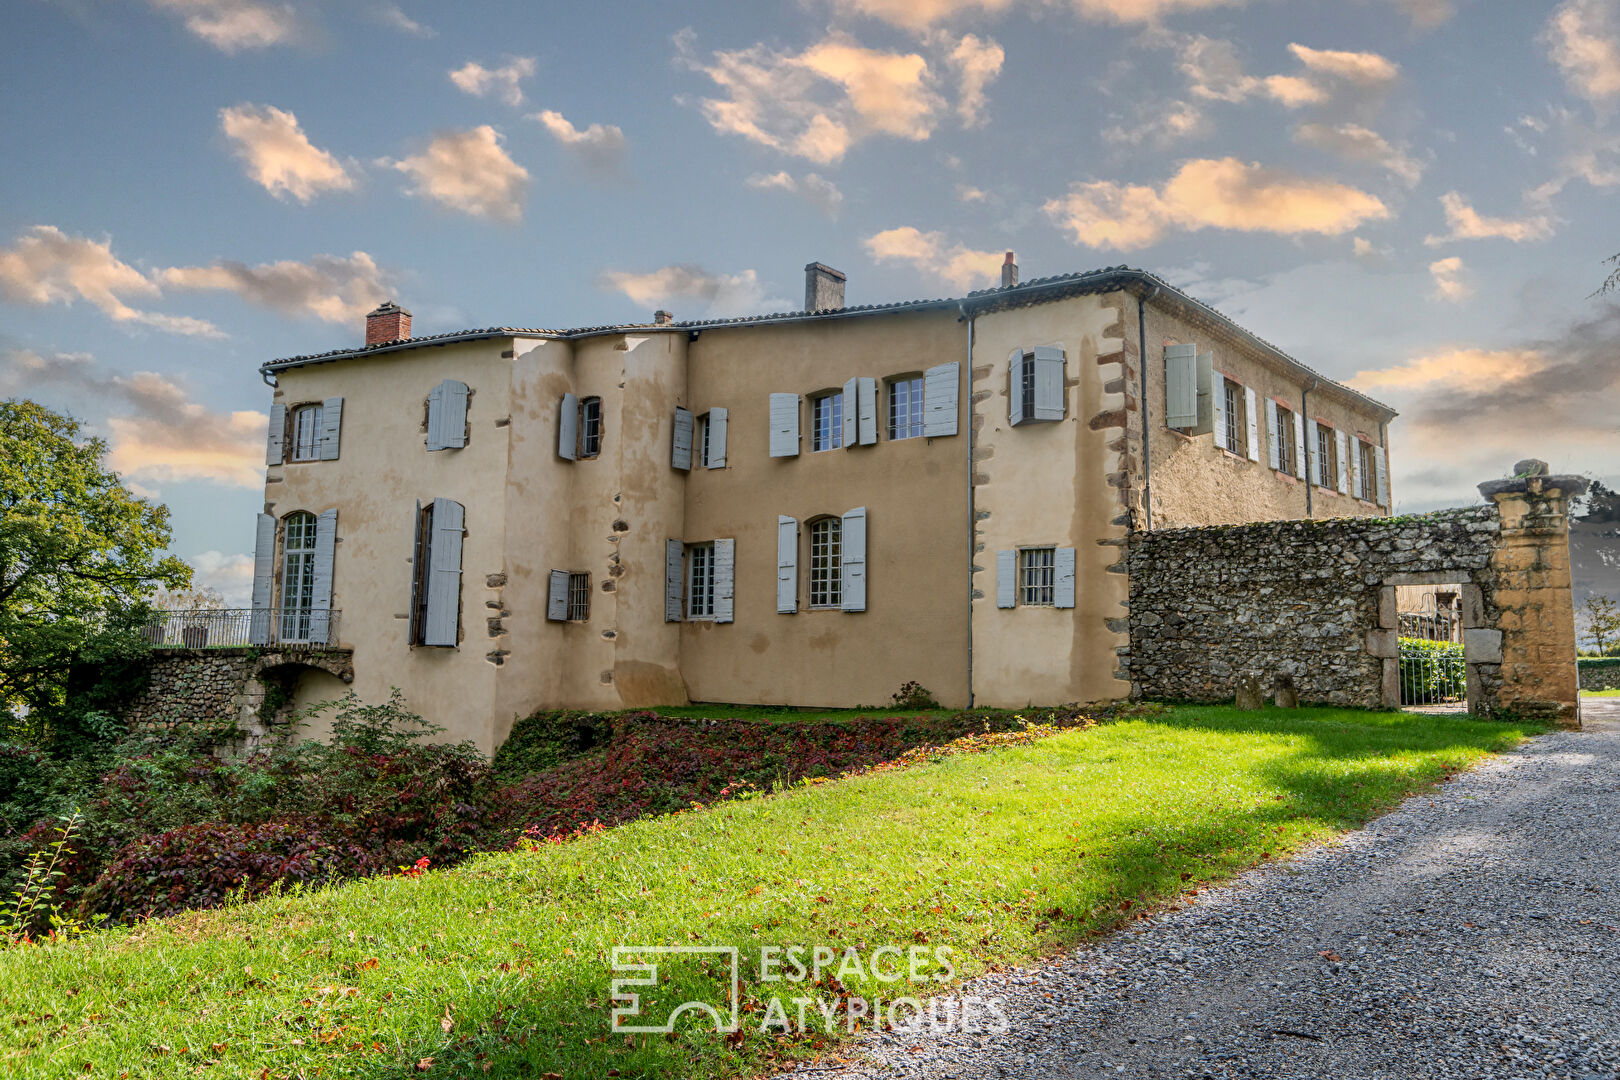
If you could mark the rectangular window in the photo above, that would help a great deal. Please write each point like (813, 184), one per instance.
(827, 422)
(1326, 468)
(579, 597)
(700, 581)
(590, 427)
(1036, 574)
(906, 408)
(700, 441)
(826, 563)
(307, 433)
(1026, 384)
(1368, 478)
(419, 587)
(1285, 440)
(1232, 437)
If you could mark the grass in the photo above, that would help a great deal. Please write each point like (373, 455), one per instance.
(1600, 693)
(501, 965)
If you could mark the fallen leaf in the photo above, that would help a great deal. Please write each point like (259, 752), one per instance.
(1330, 956)
(445, 1021)
(424, 1065)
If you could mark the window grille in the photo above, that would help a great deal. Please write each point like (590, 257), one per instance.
(590, 427)
(297, 576)
(1036, 575)
(827, 422)
(307, 433)
(700, 582)
(579, 597)
(826, 565)
(906, 408)
(1234, 417)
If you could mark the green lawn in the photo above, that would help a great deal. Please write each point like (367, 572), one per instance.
(501, 964)
(1600, 693)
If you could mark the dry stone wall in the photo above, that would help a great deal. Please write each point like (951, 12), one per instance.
(1600, 673)
(250, 687)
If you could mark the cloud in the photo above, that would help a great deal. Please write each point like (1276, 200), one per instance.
(476, 79)
(599, 147)
(231, 576)
(1214, 72)
(1353, 142)
(720, 294)
(47, 266)
(818, 103)
(968, 193)
(1363, 68)
(1161, 124)
(817, 190)
(1367, 251)
(1468, 224)
(921, 14)
(328, 287)
(468, 171)
(155, 433)
(1583, 39)
(278, 156)
(1209, 193)
(958, 266)
(1448, 283)
(391, 15)
(1426, 14)
(233, 25)
(1462, 368)
(977, 65)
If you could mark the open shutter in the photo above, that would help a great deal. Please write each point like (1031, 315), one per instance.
(1355, 467)
(1314, 438)
(1251, 411)
(568, 427)
(453, 415)
(717, 439)
(1049, 396)
(417, 583)
(331, 427)
(939, 400)
(866, 411)
(673, 550)
(1273, 435)
(274, 454)
(1063, 578)
(1217, 401)
(1206, 383)
(320, 607)
(852, 565)
(435, 419)
(851, 428)
(725, 580)
(787, 565)
(1342, 445)
(264, 573)
(1299, 445)
(1006, 578)
(443, 617)
(557, 597)
(784, 425)
(1015, 387)
(1381, 463)
(680, 455)
(1181, 386)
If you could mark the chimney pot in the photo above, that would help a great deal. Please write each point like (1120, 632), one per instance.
(823, 287)
(662, 317)
(389, 322)
(1009, 272)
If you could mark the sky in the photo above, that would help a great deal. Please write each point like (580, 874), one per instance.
(1413, 196)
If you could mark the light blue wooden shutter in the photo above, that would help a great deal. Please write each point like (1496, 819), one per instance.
(1015, 387)
(851, 437)
(787, 565)
(939, 399)
(680, 454)
(1181, 386)
(1355, 467)
(716, 458)
(1314, 437)
(1251, 411)
(264, 575)
(1342, 445)
(568, 427)
(725, 580)
(1049, 397)
(1206, 395)
(1217, 402)
(331, 427)
(320, 613)
(673, 563)
(784, 425)
(1063, 578)
(453, 425)
(1381, 463)
(1300, 463)
(1006, 579)
(443, 617)
(435, 423)
(852, 566)
(274, 454)
(1273, 435)
(557, 597)
(866, 410)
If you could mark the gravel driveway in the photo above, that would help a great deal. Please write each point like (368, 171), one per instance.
(1475, 934)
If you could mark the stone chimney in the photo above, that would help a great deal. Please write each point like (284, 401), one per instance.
(823, 288)
(1009, 272)
(390, 322)
(662, 317)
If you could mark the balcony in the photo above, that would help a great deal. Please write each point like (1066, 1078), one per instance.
(234, 628)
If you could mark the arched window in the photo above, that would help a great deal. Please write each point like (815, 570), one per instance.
(297, 575)
(306, 433)
(826, 565)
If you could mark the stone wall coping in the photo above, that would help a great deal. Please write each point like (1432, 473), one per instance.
(1456, 513)
(1566, 484)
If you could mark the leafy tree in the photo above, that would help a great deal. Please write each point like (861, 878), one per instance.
(1612, 282)
(1602, 622)
(79, 558)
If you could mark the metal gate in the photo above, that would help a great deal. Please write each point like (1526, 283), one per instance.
(1433, 672)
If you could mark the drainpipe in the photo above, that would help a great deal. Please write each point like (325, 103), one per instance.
(1310, 466)
(973, 523)
(1142, 365)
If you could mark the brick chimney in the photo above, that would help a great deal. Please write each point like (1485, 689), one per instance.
(1009, 272)
(823, 288)
(390, 322)
(662, 317)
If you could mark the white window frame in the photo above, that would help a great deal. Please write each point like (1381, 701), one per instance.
(579, 596)
(1026, 383)
(1037, 577)
(590, 427)
(1236, 421)
(305, 425)
(1286, 419)
(297, 574)
(826, 587)
(700, 581)
(1327, 472)
(1367, 481)
(907, 395)
(827, 421)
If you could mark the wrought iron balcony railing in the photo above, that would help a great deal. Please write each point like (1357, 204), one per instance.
(220, 628)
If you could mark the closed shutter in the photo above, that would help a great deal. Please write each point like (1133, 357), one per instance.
(320, 607)
(1206, 381)
(784, 425)
(725, 580)
(1273, 435)
(1181, 386)
(264, 574)
(1251, 411)
(1355, 467)
(557, 597)
(1342, 445)
(866, 411)
(568, 427)
(851, 428)
(1314, 437)
(274, 454)
(1217, 402)
(331, 427)
(435, 421)
(1063, 578)
(1049, 397)
(852, 566)
(1381, 463)
(1299, 445)
(680, 455)
(672, 580)
(1006, 579)
(453, 426)
(787, 565)
(443, 616)
(1015, 387)
(939, 400)
(717, 439)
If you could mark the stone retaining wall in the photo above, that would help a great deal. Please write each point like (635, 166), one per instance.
(249, 686)
(1600, 674)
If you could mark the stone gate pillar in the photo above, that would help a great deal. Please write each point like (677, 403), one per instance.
(1531, 590)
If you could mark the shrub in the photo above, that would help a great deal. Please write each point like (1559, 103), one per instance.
(914, 695)
(549, 738)
(1431, 671)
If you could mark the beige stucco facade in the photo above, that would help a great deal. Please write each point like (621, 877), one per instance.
(938, 509)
